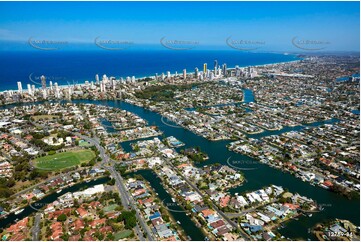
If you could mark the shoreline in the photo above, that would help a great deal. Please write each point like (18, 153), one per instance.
(137, 78)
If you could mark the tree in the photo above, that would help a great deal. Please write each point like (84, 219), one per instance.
(62, 217)
(129, 219)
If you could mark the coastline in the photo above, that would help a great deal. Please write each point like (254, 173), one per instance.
(137, 78)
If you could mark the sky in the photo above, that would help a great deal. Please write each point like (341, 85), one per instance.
(268, 26)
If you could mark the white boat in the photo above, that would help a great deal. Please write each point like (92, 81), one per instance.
(310, 215)
(59, 191)
(178, 222)
(173, 200)
(18, 211)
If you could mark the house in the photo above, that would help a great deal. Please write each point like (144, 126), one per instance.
(15, 228)
(207, 212)
(154, 216)
(157, 221)
(57, 229)
(78, 225)
(97, 223)
(224, 201)
(263, 217)
(217, 224)
(337, 229)
(82, 212)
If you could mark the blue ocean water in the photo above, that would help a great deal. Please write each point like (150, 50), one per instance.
(78, 66)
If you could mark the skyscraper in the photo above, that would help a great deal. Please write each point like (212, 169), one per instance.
(101, 86)
(43, 82)
(30, 91)
(196, 72)
(224, 69)
(184, 74)
(105, 79)
(96, 79)
(113, 83)
(45, 95)
(57, 93)
(215, 64)
(20, 87)
(237, 71)
(205, 68)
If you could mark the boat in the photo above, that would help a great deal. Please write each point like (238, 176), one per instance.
(310, 215)
(178, 222)
(173, 200)
(189, 238)
(18, 211)
(59, 191)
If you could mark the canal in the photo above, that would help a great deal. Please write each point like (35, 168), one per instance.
(335, 206)
(175, 210)
(36, 206)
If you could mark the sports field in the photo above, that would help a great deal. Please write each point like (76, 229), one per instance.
(64, 160)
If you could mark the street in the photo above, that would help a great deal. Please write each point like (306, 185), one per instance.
(127, 200)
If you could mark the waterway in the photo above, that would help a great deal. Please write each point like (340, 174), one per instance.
(36, 206)
(175, 210)
(335, 206)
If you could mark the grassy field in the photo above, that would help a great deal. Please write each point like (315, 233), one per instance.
(64, 160)
(122, 234)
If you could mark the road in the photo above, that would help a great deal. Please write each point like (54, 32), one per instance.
(126, 198)
(35, 231)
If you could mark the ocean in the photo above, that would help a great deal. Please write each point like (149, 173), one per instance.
(78, 66)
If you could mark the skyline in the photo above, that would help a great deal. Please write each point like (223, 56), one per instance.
(209, 24)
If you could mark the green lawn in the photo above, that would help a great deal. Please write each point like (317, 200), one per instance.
(64, 160)
(122, 234)
(110, 208)
(83, 143)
